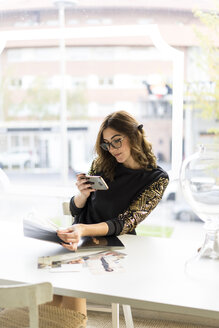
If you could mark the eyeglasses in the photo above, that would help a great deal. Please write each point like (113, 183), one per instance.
(116, 143)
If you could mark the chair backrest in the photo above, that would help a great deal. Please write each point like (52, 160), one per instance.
(65, 208)
(28, 295)
(67, 219)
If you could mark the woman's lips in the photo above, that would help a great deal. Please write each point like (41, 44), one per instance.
(117, 155)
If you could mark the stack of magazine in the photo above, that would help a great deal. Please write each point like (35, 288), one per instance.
(98, 254)
(103, 262)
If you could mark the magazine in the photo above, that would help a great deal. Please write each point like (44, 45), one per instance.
(105, 262)
(97, 263)
(47, 232)
(60, 263)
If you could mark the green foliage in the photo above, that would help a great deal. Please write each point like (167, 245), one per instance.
(205, 96)
(38, 102)
(77, 103)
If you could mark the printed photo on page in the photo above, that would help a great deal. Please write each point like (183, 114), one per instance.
(105, 262)
(61, 263)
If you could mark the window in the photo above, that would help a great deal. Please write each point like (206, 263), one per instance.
(106, 81)
(101, 74)
(15, 141)
(16, 82)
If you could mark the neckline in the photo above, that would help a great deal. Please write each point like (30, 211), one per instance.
(130, 169)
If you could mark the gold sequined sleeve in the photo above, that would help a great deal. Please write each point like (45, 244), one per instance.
(93, 170)
(140, 208)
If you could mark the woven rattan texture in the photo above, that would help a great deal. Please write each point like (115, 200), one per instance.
(49, 317)
(104, 320)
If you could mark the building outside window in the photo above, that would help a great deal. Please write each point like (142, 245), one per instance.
(102, 75)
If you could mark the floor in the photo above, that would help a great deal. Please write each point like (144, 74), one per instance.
(103, 320)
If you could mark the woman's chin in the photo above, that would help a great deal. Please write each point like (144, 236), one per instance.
(119, 160)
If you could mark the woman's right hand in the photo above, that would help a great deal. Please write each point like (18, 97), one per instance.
(83, 186)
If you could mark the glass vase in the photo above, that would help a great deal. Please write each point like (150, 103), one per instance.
(199, 179)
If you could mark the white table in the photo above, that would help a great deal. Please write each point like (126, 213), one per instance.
(154, 277)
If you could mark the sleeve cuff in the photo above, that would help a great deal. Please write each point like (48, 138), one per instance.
(73, 208)
(115, 227)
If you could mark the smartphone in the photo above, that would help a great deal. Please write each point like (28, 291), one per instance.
(97, 182)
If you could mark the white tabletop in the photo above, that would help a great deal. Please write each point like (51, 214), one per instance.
(154, 277)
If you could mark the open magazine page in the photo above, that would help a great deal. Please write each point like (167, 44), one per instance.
(41, 220)
(97, 263)
(40, 231)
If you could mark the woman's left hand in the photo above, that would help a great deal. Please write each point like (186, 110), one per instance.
(71, 236)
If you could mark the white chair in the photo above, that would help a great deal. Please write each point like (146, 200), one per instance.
(17, 300)
(28, 295)
(115, 306)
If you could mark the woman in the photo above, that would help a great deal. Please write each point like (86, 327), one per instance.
(136, 184)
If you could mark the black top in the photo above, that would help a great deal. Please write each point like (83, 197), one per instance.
(117, 205)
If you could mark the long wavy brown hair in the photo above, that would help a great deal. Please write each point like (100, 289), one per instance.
(141, 149)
